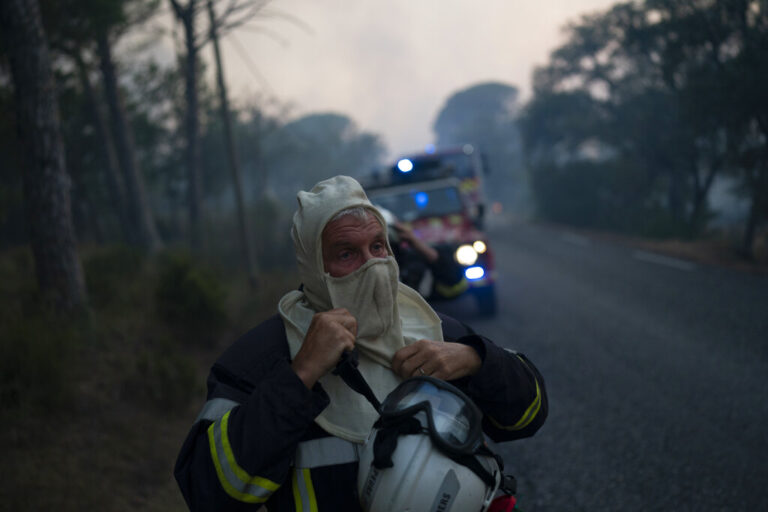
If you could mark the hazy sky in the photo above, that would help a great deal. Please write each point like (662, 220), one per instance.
(390, 65)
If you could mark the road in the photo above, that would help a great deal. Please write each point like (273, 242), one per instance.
(656, 370)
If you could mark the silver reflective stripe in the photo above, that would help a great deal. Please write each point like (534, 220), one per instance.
(235, 480)
(326, 451)
(215, 409)
(303, 492)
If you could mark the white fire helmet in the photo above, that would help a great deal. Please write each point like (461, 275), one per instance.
(391, 220)
(429, 434)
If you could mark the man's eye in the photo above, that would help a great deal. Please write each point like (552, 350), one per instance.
(345, 255)
(378, 248)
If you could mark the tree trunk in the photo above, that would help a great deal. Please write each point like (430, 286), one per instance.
(675, 197)
(234, 164)
(262, 175)
(701, 193)
(46, 183)
(115, 186)
(262, 183)
(750, 228)
(186, 15)
(142, 222)
(757, 180)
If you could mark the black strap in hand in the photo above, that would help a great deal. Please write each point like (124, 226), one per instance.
(347, 370)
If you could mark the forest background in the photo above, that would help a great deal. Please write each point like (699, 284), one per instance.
(144, 216)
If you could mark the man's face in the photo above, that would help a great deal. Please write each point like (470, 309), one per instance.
(348, 242)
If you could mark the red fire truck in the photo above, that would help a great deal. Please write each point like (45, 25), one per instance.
(464, 163)
(439, 197)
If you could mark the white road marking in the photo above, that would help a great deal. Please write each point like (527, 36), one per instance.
(650, 257)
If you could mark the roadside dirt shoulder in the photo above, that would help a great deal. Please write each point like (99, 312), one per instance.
(717, 251)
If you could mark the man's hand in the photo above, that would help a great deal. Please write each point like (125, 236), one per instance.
(442, 360)
(330, 333)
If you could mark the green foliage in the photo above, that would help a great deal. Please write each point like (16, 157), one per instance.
(605, 195)
(316, 147)
(46, 360)
(190, 299)
(661, 84)
(574, 194)
(487, 106)
(163, 376)
(66, 384)
(38, 349)
(112, 274)
(274, 248)
(37, 356)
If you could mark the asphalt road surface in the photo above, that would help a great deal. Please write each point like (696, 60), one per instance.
(656, 370)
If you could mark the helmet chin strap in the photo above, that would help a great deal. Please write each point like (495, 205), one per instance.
(386, 438)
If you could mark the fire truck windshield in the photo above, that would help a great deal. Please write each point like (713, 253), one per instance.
(411, 203)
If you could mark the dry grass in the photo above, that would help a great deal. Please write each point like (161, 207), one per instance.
(107, 436)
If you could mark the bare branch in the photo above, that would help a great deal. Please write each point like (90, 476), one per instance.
(177, 9)
(267, 32)
(237, 13)
(267, 14)
(249, 64)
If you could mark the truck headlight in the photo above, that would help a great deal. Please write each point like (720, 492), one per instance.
(479, 246)
(466, 255)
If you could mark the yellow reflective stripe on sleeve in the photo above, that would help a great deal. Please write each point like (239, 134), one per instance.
(303, 491)
(296, 494)
(310, 490)
(526, 419)
(450, 291)
(235, 480)
(529, 414)
(468, 185)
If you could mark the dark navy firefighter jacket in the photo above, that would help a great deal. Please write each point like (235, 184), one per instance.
(255, 441)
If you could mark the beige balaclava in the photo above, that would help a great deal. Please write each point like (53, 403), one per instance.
(390, 315)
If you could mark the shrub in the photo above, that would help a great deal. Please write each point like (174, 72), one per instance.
(37, 361)
(37, 348)
(163, 377)
(110, 273)
(190, 300)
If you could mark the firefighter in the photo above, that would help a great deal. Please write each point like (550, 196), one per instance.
(279, 428)
(431, 271)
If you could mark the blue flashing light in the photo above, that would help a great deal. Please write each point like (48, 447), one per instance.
(405, 165)
(430, 149)
(421, 199)
(474, 273)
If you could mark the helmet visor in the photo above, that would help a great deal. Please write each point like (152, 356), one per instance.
(451, 416)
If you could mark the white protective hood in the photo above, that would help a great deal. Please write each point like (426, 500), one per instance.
(349, 414)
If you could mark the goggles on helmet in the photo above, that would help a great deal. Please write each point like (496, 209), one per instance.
(454, 422)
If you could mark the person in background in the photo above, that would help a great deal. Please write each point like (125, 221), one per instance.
(433, 272)
(279, 428)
